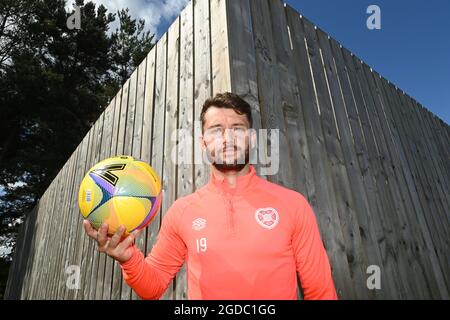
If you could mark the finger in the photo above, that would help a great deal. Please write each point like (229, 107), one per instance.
(102, 235)
(128, 240)
(116, 237)
(91, 232)
(104, 248)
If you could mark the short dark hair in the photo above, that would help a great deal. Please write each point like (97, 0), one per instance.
(227, 100)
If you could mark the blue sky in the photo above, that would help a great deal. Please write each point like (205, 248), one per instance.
(158, 14)
(412, 49)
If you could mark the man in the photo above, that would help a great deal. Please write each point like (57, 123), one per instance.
(242, 237)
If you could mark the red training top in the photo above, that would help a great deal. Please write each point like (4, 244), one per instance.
(247, 242)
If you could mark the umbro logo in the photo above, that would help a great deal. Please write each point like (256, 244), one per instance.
(199, 224)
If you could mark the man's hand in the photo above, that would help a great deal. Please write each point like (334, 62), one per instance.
(116, 247)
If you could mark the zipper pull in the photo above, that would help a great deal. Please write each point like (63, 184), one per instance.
(231, 213)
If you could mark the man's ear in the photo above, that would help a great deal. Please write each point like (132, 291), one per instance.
(202, 142)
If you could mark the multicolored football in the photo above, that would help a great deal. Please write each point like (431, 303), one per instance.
(120, 191)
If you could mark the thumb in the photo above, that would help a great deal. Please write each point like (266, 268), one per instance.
(134, 235)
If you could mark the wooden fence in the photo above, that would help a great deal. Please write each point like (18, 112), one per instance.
(371, 160)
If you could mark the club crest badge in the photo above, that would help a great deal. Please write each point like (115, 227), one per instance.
(267, 217)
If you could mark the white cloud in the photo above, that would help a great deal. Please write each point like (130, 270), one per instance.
(154, 12)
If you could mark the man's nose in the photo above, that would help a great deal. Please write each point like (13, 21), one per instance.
(229, 136)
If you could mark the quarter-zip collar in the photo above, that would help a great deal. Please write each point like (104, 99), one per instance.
(243, 183)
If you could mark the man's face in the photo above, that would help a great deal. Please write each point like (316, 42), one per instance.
(226, 139)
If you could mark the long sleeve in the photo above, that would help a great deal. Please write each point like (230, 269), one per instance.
(149, 277)
(312, 263)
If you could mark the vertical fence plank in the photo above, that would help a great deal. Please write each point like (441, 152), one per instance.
(72, 212)
(169, 173)
(147, 130)
(109, 278)
(52, 243)
(137, 138)
(91, 251)
(85, 253)
(185, 156)
(289, 102)
(80, 237)
(67, 227)
(105, 151)
(46, 258)
(243, 69)
(220, 59)
(157, 147)
(93, 266)
(269, 88)
(117, 278)
(128, 147)
(202, 82)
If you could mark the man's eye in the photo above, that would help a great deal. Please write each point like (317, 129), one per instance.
(219, 131)
(239, 130)
(214, 131)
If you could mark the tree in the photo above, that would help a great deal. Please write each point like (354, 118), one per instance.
(54, 84)
(130, 45)
(14, 16)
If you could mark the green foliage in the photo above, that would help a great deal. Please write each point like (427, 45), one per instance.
(54, 83)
